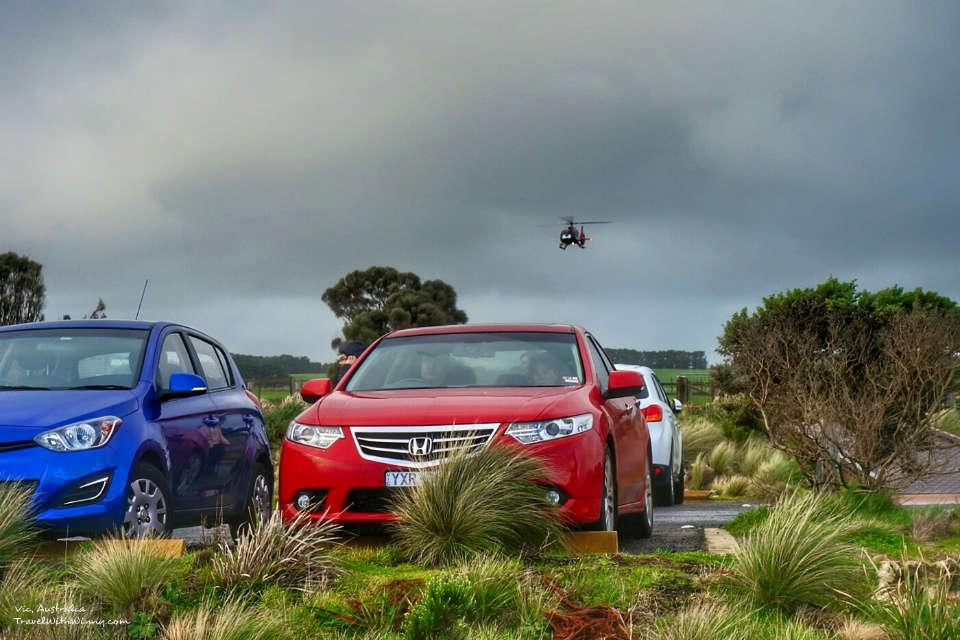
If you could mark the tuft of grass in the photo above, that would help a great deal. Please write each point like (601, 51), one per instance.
(722, 457)
(931, 524)
(486, 502)
(23, 587)
(773, 476)
(699, 473)
(700, 435)
(704, 622)
(731, 486)
(17, 529)
(797, 556)
(754, 452)
(124, 574)
(228, 621)
(295, 555)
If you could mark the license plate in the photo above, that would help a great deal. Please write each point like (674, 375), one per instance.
(401, 478)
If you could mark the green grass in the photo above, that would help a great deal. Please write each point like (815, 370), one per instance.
(948, 420)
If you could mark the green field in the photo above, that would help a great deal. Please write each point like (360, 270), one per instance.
(670, 375)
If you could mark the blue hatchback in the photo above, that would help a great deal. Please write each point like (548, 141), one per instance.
(132, 426)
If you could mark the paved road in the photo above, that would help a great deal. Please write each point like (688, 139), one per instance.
(680, 528)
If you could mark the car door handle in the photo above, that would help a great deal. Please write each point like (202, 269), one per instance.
(249, 419)
(211, 421)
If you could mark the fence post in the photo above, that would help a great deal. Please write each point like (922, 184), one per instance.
(293, 385)
(683, 389)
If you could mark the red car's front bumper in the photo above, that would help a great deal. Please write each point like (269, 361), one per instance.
(355, 492)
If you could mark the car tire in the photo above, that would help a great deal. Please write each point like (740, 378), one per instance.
(608, 495)
(148, 507)
(643, 527)
(258, 503)
(665, 496)
(678, 486)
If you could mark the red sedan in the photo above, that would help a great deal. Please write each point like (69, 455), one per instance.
(416, 395)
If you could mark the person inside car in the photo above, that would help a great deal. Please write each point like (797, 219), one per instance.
(545, 370)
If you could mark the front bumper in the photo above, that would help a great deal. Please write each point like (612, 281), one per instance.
(355, 492)
(53, 475)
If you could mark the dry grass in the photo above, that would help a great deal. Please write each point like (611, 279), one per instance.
(295, 555)
(703, 622)
(700, 473)
(700, 435)
(931, 524)
(722, 458)
(732, 486)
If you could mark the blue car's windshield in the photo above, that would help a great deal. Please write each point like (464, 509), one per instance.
(71, 358)
(482, 359)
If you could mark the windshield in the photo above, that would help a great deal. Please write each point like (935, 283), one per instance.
(455, 360)
(71, 358)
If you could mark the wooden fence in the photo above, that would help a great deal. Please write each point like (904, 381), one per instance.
(687, 389)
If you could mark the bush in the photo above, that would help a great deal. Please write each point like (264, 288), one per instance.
(441, 611)
(739, 417)
(486, 502)
(295, 555)
(228, 621)
(797, 555)
(124, 574)
(16, 526)
(277, 417)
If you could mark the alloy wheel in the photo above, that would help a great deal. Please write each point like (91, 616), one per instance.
(146, 509)
(261, 503)
(609, 496)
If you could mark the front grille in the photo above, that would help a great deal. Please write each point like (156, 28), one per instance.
(404, 446)
(370, 500)
(18, 444)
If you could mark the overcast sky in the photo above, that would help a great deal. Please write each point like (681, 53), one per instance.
(245, 157)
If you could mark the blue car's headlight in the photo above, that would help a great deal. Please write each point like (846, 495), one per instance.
(80, 436)
(541, 430)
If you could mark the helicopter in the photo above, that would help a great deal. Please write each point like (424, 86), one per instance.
(570, 236)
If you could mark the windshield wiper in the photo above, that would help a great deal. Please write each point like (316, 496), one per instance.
(4, 387)
(97, 386)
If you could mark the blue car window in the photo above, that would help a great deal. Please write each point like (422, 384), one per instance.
(213, 371)
(174, 358)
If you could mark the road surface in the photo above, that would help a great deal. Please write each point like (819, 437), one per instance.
(680, 528)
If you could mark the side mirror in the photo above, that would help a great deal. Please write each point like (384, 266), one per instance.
(624, 383)
(677, 406)
(183, 385)
(313, 390)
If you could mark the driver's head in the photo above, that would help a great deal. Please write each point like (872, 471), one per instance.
(432, 367)
(544, 369)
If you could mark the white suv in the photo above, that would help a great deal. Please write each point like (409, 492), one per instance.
(665, 437)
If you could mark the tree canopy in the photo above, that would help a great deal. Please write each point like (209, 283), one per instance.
(668, 359)
(22, 292)
(846, 379)
(381, 299)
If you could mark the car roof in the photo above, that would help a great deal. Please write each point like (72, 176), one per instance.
(90, 324)
(484, 328)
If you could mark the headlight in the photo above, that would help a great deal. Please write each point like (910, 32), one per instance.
(79, 436)
(542, 430)
(312, 435)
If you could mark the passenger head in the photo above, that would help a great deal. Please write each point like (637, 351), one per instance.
(433, 367)
(545, 370)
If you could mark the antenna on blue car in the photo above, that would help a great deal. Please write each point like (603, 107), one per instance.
(142, 293)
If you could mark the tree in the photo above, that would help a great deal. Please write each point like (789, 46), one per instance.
(100, 312)
(22, 292)
(381, 299)
(846, 380)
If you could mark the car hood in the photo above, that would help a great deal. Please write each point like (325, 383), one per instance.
(34, 411)
(445, 406)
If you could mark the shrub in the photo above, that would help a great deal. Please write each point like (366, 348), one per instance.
(773, 476)
(797, 555)
(16, 526)
(124, 574)
(931, 524)
(485, 502)
(228, 621)
(731, 486)
(277, 417)
(739, 417)
(722, 457)
(446, 601)
(295, 555)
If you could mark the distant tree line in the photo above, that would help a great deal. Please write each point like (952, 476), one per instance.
(275, 366)
(670, 359)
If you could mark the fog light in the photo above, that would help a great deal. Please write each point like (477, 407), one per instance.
(553, 497)
(303, 501)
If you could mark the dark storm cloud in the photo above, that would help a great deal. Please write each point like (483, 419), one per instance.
(244, 157)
